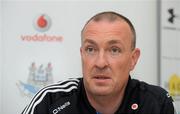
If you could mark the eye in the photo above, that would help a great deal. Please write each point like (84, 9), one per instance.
(90, 50)
(115, 50)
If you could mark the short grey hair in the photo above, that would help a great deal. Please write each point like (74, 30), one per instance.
(113, 16)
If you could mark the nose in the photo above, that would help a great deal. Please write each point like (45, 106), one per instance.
(101, 60)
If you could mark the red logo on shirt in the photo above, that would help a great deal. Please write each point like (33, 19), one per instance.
(134, 106)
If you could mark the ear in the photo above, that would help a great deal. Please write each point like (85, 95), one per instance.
(134, 58)
(81, 50)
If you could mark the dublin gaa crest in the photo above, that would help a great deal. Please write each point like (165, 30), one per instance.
(38, 77)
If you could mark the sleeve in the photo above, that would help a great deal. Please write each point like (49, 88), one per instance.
(168, 107)
(37, 106)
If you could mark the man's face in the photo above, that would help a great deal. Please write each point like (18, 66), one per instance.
(107, 57)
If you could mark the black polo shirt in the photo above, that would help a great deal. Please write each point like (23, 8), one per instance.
(69, 97)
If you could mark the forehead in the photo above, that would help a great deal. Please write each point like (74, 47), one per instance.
(104, 28)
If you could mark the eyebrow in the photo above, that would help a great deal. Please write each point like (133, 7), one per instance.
(89, 41)
(114, 42)
(111, 42)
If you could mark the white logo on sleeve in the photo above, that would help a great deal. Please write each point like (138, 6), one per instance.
(168, 95)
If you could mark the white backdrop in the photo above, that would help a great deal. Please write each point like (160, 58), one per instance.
(0, 55)
(170, 49)
(67, 19)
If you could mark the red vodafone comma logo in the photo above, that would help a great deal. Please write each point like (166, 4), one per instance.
(42, 23)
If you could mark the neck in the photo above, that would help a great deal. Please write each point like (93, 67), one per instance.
(107, 104)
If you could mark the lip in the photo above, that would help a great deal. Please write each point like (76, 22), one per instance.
(101, 78)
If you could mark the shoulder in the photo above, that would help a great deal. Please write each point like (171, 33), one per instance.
(152, 98)
(152, 92)
(51, 93)
(61, 87)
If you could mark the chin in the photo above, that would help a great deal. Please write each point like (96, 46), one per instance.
(101, 91)
(98, 89)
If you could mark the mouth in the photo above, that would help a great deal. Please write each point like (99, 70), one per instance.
(101, 78)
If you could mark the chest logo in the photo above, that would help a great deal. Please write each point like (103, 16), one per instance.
(134, 106)
(60, 108)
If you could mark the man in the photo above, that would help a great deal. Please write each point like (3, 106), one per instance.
(108, 55)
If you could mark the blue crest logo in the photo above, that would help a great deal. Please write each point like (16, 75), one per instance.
(38, 77)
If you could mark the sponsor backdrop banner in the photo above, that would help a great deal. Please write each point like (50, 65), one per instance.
(41, 42)
(170, 48)
(0, 55)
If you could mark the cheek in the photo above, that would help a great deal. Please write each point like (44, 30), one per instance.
(120, 70)
(121, 65)
(87, 64)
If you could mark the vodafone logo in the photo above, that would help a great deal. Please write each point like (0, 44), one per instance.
(42, 22)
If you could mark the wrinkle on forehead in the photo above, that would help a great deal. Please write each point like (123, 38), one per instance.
(107, 28)
(104, 26)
